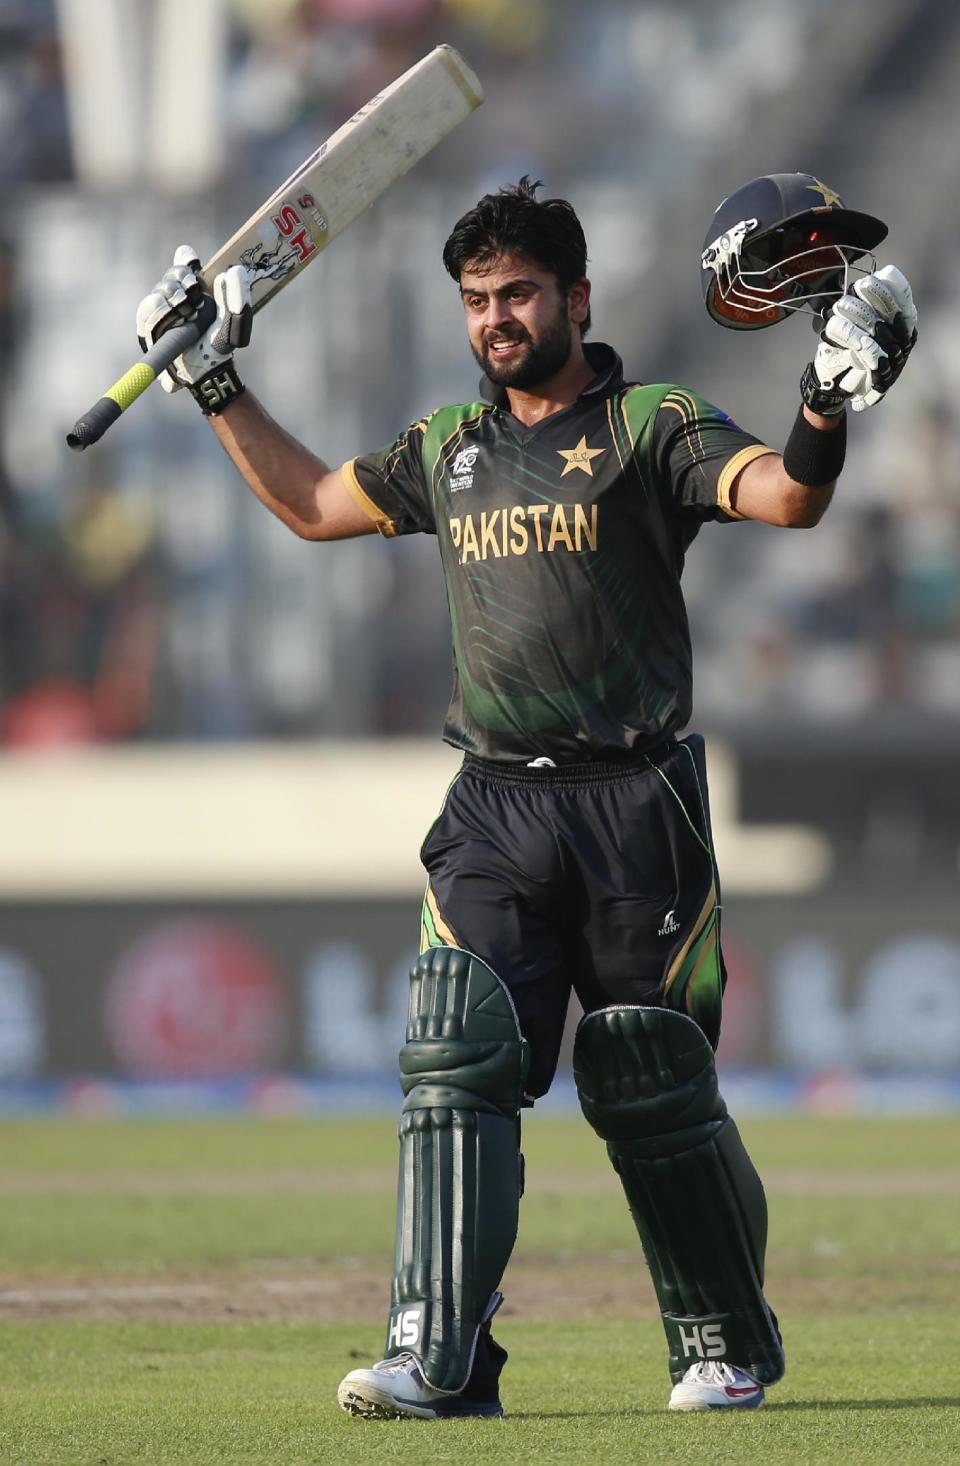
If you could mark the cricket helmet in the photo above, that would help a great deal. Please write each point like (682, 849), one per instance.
(782, 243)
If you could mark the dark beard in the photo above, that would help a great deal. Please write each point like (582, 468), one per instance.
(542, 360)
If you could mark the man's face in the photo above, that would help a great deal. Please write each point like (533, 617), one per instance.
(519, 322)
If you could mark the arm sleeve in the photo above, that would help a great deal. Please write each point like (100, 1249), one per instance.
(699, 452)
(391, 486)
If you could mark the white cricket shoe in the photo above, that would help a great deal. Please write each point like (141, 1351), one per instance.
(396, 1388)
(711, 1386)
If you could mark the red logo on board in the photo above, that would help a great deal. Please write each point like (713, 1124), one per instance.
(195, 998)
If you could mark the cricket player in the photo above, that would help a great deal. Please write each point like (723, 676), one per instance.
(573, 849)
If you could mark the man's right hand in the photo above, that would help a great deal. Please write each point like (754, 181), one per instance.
(865, 340)
(226, 319)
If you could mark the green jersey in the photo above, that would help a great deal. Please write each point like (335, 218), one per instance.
(562, 547)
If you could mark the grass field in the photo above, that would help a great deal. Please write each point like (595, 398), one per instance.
(193, 1292)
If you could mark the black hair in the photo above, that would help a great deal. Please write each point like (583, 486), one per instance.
(515, 221)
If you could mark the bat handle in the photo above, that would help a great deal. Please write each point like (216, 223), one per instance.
(91, 427)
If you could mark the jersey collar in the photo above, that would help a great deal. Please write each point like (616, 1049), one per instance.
(604, 360)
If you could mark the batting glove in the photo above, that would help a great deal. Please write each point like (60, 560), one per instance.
(225, 318)
(864, 344)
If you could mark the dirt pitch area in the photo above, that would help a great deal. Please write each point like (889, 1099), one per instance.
(540, 1285)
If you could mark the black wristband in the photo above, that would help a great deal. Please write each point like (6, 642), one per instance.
(814, 456)
(217, 389)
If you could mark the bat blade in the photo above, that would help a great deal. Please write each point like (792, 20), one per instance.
(363, 158)
(370, 152)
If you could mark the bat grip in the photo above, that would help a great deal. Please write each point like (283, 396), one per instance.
(91, 427)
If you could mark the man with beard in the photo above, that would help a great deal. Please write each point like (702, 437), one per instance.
(573, 849)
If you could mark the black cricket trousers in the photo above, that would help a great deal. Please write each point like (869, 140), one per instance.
(598, 877)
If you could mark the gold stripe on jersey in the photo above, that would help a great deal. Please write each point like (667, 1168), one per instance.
(730, 470)
(683, 403)
(419, 427)
(680, 410)
(455, 438)
(623, 420)
(630, 439)
(384, 523)
(613, 431)
(688, 401)
(687, 408)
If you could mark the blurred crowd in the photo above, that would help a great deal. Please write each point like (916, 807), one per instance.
(135, 606)
(861, 618)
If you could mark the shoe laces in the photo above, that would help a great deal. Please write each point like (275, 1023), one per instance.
(711, 1372)
(396, 1365)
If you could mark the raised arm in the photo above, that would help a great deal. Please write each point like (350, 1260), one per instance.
(293, 483)
(298, 487)
(764, 489)
(867, 337)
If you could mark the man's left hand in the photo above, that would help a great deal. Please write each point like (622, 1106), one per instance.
(226, 317)
(864, 344)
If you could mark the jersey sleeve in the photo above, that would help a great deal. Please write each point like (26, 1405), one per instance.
(391, 485)
(699, 451)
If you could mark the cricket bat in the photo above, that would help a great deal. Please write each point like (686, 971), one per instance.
(345, 175)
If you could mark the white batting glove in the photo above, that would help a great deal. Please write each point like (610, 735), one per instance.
(864, 345)
(227, 317)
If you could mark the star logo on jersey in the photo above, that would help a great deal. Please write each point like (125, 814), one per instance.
(829, 196)
(579, 457)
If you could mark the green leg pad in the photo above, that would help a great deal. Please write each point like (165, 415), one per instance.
(648, 1085)
(462, 1070)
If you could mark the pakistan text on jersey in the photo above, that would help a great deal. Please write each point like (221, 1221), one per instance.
(539, 528)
